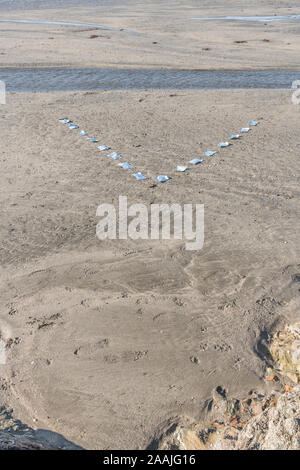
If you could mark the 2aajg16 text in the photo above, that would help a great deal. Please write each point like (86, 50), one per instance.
(167, 459)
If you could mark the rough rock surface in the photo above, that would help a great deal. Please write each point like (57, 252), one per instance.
(285, 351)
(14, 435)
(275, 428)
(256, 423)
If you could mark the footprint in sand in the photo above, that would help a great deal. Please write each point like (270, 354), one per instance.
(45, 322)
(90, 350)
(127, 356)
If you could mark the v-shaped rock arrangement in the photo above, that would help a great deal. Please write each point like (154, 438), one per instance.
(160, 178)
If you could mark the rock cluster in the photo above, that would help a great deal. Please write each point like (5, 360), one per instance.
(257, 423)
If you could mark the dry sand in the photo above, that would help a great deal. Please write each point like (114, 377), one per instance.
(102, 333)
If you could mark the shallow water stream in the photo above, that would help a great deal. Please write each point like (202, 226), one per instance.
(68, 79)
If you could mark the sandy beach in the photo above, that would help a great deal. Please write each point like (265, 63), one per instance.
(110, 342)
(166, 37)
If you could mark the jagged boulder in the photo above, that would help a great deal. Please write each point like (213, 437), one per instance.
(15, 435)
(285, 351)
(256, 423)
(276, 428)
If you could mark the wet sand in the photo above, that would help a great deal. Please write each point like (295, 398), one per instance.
(110, 342)
(104, 333)
(167, 37)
